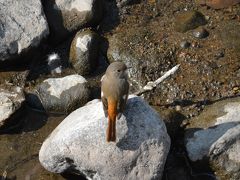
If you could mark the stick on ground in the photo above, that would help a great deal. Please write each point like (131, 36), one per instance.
(152, 84)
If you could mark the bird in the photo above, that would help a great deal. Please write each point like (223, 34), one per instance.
(114, 95)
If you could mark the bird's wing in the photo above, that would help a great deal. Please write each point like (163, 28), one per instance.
(123, 101)
(105, 105)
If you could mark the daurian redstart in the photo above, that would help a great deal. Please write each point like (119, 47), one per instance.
(114, 94)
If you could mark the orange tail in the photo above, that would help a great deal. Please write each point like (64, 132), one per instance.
(112, 114)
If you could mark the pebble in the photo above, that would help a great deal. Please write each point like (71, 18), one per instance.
(178, 108)
(219, 54)
(196, 45)
(200, 33)
(185, 44)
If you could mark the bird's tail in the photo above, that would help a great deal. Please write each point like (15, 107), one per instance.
(112, 114)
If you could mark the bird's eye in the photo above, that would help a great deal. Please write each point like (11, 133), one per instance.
(118, 70)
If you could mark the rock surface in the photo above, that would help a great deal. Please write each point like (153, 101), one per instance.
(84, 52)
(10, 101)
(65, 16)
(215, 135)
(189, 20)
(79, 144)
(60, 94)
(22, 26)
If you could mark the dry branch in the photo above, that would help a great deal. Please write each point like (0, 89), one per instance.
(152, 84)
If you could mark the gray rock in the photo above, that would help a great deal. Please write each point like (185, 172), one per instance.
(66, 16)
(189, 20)
(10, 101)
(215, 135)
(79, 144)
(84, 52)
(22, 26)
(60, 94)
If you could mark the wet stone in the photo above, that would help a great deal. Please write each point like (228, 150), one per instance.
(84, 52)
(200, 33)
(185, 44)
(219, 54)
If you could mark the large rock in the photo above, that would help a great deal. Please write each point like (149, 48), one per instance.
(189, 20)
(215, 135)
(10, 101)
(79, 144)
(84, 52)
(22, 26)
(60, 94)
(66, 16)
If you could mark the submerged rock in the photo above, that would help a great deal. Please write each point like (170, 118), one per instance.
(84, 52)
(215, 135)
(79, 144)
(10, 101)
(22, 26)
(218, 4)
(189, 20)
(65, 16)
(230, 35)
(60, 94)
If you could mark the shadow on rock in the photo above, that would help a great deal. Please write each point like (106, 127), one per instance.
(134, 137)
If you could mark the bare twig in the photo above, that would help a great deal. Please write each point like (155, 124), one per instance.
(152, 84)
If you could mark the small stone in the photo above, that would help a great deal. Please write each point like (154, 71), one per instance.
(185, 44)
(219, 54)
(196, 45)
(178, 108)
(200, 33)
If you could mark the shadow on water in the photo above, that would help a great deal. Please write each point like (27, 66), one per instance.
(26, 120)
